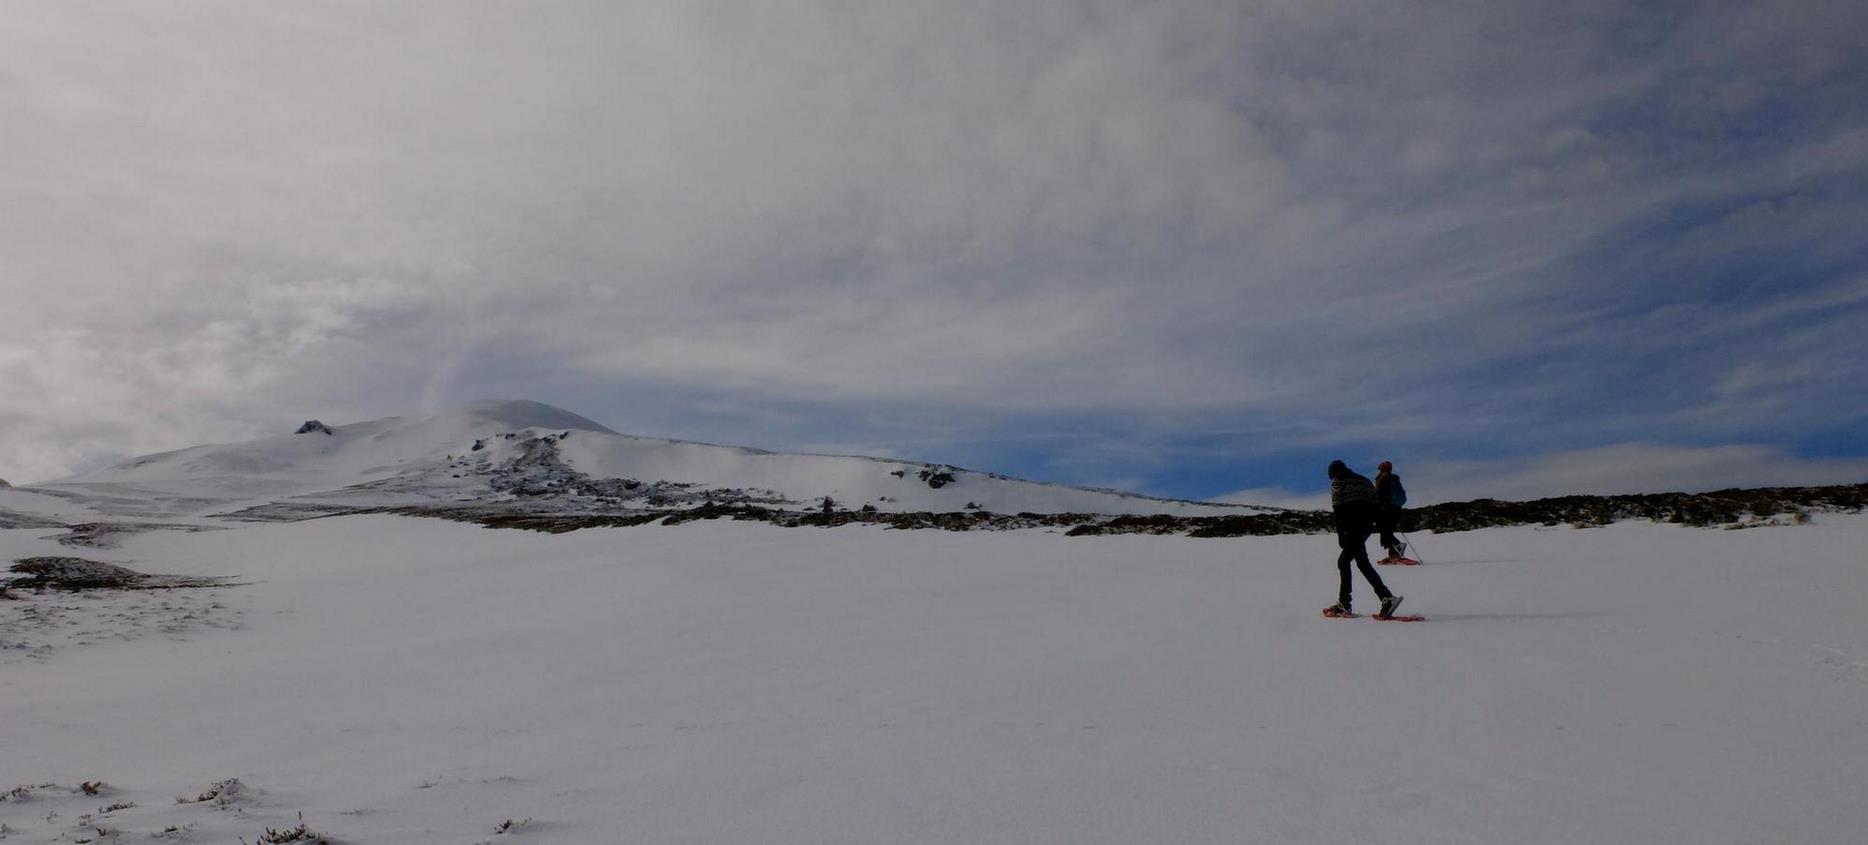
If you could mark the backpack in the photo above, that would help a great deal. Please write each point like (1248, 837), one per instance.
(1397, 495)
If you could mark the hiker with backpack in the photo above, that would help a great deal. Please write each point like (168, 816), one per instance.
(1390, 498)
(1352, 501)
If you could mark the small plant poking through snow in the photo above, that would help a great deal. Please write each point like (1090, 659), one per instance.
(120, 805)
(509, 825)
(93, 787)
(223, 793)
(291, 834)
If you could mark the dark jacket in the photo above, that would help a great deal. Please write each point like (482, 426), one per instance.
(1352, 498)
(1385, 483)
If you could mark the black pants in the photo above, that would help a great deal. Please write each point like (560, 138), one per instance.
(1354, 543)
(1385, 521)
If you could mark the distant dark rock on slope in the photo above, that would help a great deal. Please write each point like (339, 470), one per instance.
(3, 484)
(936, 477)
(311, 426)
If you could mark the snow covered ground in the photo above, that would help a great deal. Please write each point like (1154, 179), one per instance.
(385, 679)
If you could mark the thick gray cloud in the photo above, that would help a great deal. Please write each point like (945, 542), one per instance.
(221, 216)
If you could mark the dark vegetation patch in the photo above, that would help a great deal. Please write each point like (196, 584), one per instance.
(288, 512)
(559, 523)
(76, 573)
(1718, 508)
(494, 516)
(1723, 508)
(106, 535)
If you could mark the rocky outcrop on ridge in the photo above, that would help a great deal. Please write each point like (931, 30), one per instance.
(540, 472)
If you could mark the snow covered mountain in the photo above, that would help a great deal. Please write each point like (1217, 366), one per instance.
(546, 458)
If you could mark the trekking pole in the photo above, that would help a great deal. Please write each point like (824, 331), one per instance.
(1412, 548)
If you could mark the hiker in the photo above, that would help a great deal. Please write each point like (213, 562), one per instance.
(1390, 498)
(1352, 499)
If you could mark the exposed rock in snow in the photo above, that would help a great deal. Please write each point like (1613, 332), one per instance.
(311, 426)
(936, 477)
(73, 573)
(540, 471)
(3, 484)
(76, 573)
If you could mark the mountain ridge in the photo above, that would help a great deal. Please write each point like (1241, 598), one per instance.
(536, 456)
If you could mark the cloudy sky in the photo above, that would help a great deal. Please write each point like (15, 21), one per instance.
(1196, 248)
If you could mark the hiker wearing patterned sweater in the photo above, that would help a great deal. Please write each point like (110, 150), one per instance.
(1352, 500)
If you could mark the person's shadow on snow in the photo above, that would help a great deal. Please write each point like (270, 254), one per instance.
(1474, 617)
(1468, 562)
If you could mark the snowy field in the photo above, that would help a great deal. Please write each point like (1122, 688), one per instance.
(392, 680)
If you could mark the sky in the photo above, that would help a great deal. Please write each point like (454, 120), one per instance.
(1194, 249)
